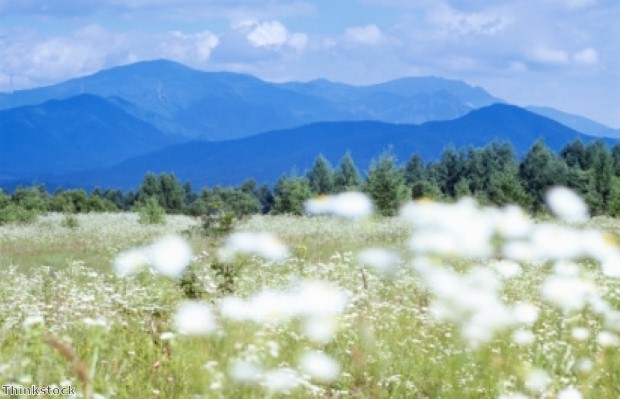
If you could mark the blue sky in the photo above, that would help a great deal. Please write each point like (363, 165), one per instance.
(559, 53)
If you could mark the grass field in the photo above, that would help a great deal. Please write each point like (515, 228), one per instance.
(480, 314)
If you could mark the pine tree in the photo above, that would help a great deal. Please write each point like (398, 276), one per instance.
(172, 193)
(290, 195)
(540, 170)
(386, 185)
(574, 154)
(347, 177)
(414, 170)
(320, 177)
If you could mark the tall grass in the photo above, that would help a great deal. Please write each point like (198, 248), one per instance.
(67, 318)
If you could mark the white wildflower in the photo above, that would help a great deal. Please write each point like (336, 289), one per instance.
(569, 393)
(194, 318)
(169, 255)
(33, 320)
(606, 338)
(245, 372)
(584, 365)
(130, 262)
(97, 322)
(507, 268)
(383, 260)
(567, 205)
(525, 313)
(567, 292)
(511, 222)
(352, 205)
(320, 330)
(580, 333)
(281, 380)
(537, 380)
(262, 244)
(166, 336)
(523, 337)
(320, 366)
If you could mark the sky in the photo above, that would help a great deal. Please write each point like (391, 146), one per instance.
(559, 53)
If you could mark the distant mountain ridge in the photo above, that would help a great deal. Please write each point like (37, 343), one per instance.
(62, 136)
(117, 121)
(222, 105)
(265, 157)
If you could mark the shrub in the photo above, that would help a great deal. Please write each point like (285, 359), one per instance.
(150, 212)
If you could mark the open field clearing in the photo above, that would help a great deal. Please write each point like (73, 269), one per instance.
(444, 301)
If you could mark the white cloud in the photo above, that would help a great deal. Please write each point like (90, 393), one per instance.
(587, 57)
(271, 34)
(368, 35)
(33, 59)
(189, 48)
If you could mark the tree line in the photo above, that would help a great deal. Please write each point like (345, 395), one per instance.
(491, 174)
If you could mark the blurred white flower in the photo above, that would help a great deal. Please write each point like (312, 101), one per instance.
(511, 222)
(537, 380)
(318, 298)
(169, 255)
(320, 366)
(194, 318)
(523, 337)
(97, 322)
(580, 333)
(383, 260)
(513, 395)
(569, 393)
(606, 338)
(33, 320)
(459, 229)
(245, 372)
(319, 329)
(262, 244)
(570, 293)
(281, 380)
(525, 313)
(507, 268)
(130, 262)
(584, 365)
(351, 205)
(610, 265)
(567, 205)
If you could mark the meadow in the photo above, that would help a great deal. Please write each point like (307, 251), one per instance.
(442, 301)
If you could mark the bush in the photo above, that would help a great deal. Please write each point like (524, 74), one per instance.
(150, 212)
(16, 214)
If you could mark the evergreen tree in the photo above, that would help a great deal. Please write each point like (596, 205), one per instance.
(613, 205)
(414, 170)
(347, 177)
(506, 188)
(189, 196)
(290, 195)
(540, 170)
(320, 177)
(602, 172)
(426, 189)
(386, 185)
(462, 188)
(172, 193)
(448, 171)
(574, 154)
(150, 187)
(615, 157)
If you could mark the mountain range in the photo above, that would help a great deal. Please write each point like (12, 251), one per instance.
(109, 128)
